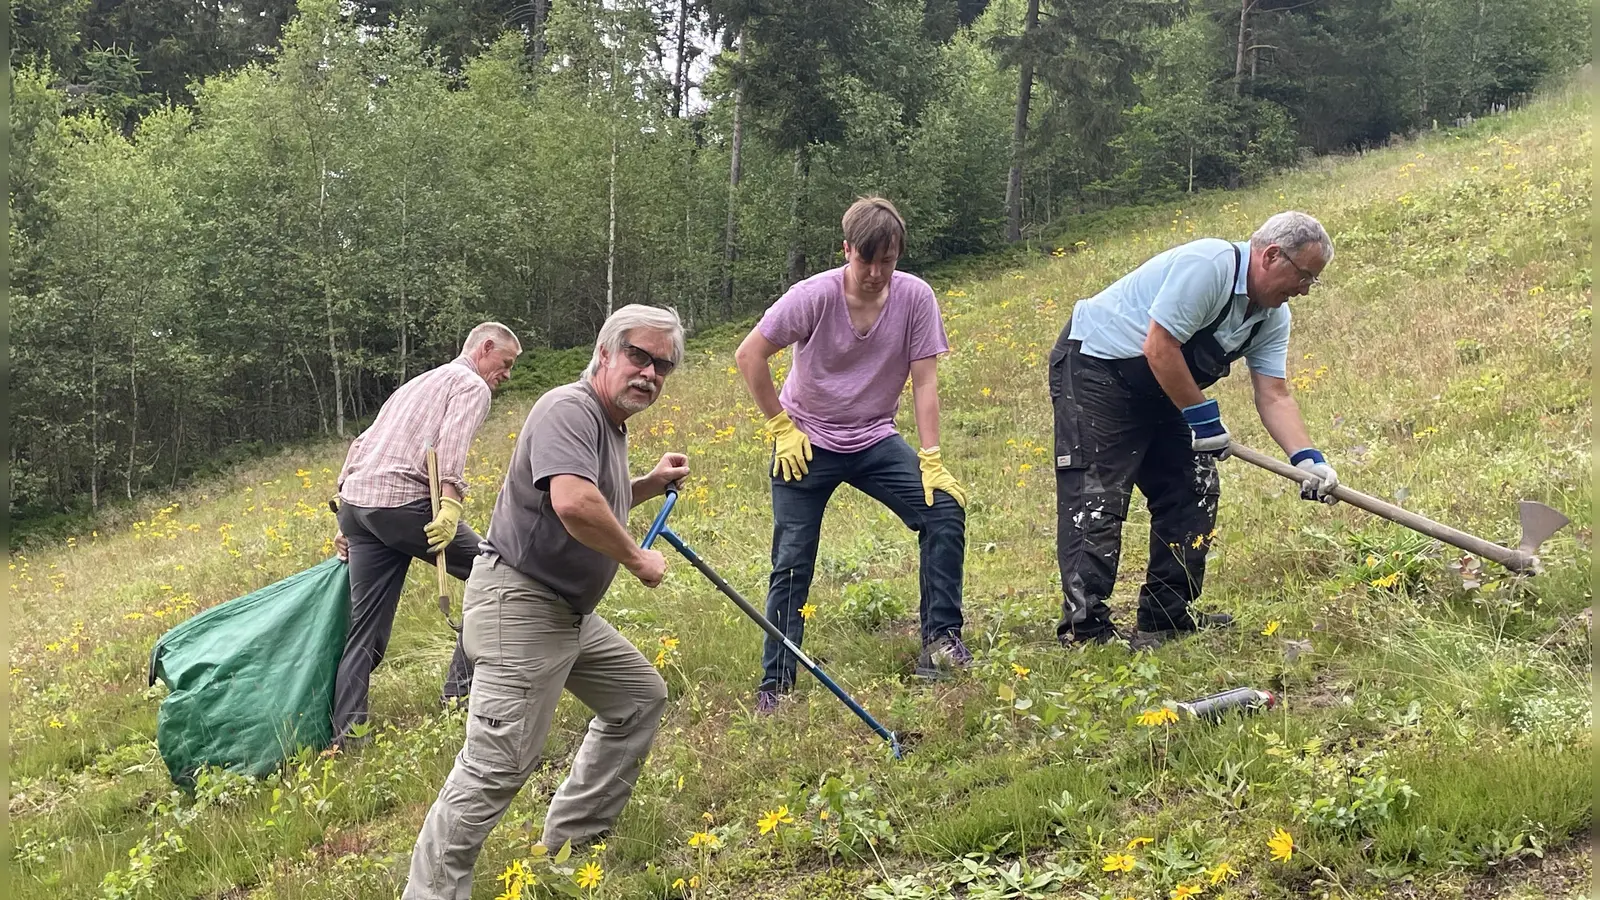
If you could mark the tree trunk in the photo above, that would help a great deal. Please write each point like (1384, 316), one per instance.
(133, 414)
(730, 248)
(94, 407)
(1238, 53)
(1019, 130)
(541, 11)
(680, 68)
(611, 233)
(797, 224)
(327, 297)
(405, 265)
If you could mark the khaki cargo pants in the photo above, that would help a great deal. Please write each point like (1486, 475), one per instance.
(527, 645)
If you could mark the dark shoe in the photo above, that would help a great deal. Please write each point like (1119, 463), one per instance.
(1150, 640)
(1083, 639)
(1213, 620)
(766, 702)
(943, 657)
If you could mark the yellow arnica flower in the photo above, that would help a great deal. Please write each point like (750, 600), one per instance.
(705, 839)
(1184, 891)
(1021, 671)
(1271, 629)
(1117, 862)
(1138, 842)
(589, 876)
(1281, 844)
(1153, 717)
(772, 818)
(807, 611)
(1223, 871)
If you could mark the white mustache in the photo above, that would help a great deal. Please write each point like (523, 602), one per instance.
(643, 384)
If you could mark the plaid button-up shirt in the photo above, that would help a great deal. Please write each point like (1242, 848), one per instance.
(387, 465)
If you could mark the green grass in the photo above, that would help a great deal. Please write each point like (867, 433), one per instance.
(1433, 741)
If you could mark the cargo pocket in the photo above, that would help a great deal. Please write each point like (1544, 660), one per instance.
(1069, 451)
(497, 724)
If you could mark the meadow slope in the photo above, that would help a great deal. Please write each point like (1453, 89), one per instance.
(1433, 740)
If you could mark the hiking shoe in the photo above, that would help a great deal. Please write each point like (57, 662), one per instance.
(1080, 639)
(1150, 640)
(942, 657)
(766, 702)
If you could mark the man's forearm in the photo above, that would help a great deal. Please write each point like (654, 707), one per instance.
(587, 517)
(757, 373)
(644, 488)
(925, 409)
(1281, 416)
(1172, 373)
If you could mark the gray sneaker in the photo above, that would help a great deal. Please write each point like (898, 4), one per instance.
(943, 657)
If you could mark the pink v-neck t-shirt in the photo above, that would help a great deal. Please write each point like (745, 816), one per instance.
(844, 388)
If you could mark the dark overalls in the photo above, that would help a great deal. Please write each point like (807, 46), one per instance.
(1115, 428)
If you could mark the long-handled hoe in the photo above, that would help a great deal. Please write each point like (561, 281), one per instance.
(1539, 521)
(659, 528)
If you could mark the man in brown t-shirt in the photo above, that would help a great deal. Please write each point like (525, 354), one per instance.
(557, 537)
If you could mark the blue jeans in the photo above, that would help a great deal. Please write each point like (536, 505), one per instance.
(888, 472)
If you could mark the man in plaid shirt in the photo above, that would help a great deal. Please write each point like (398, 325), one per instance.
(385, 512)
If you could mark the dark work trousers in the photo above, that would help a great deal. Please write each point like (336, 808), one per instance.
(889, 473)
(383, 542)
(1109, 439)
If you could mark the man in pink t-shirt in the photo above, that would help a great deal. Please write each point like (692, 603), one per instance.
(858, 332)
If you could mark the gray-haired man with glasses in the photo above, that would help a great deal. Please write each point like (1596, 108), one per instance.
(1126, 378)
(557, 538)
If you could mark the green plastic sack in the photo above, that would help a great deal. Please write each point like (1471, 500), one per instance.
(251, 680)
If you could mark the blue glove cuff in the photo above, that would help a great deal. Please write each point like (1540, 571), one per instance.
(1310, 453)
(1202, 413)
(1205, 419)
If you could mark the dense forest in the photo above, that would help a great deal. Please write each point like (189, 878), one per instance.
(241, 222)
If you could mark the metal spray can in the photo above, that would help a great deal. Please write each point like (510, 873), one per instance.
(1245, 700)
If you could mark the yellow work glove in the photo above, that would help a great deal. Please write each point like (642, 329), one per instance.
(442, 530)
(791, 449)
(935, 477)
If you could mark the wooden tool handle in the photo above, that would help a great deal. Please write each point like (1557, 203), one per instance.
(1515, 560)
(438, 562)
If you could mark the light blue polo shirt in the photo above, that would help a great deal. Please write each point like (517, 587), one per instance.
(1183, 289)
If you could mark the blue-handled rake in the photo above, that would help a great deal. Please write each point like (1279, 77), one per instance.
(659, 528)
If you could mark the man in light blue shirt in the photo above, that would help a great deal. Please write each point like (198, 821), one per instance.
(1126, 378)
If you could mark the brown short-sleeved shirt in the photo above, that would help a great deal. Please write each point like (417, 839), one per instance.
(566, 433)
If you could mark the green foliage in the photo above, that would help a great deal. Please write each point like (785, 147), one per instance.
(869, 605)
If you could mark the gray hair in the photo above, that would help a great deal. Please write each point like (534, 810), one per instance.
(490, 331)
(1292, 230)
(625, 320)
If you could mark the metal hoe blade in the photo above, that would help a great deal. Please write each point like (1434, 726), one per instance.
(1539, 522)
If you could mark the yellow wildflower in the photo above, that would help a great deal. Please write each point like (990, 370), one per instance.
(1117, 862)
(1152, 718)
(1223, 871)
(1021, 671)
(1282, 845)
(772, 818)
(705, 839)
(807, 611)
(669, 642)
(1184, 891)
(589, 876)
(1271, 629)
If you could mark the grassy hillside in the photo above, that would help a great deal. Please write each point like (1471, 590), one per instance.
(1434, 739)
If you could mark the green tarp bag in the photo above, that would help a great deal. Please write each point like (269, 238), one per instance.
(250, 681)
